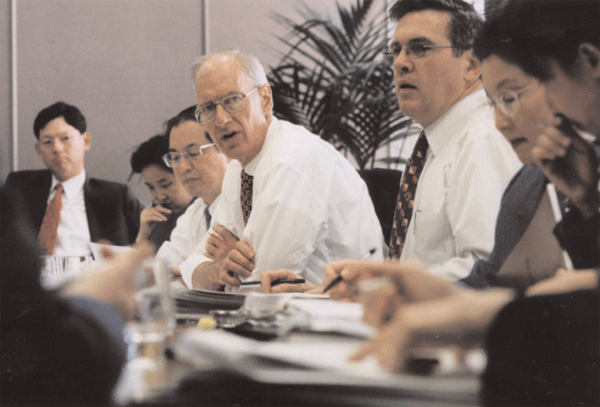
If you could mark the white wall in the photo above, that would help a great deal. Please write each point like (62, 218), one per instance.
(124, 63)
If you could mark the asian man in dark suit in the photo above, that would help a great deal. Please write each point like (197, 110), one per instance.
(90, 209)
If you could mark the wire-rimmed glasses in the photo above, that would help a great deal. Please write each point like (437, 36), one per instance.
(195, 152)
(507, 100)
(233, 103)
(413, 50)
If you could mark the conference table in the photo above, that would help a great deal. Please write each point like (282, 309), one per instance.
(304, 364)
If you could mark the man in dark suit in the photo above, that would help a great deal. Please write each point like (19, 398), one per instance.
(91, 209)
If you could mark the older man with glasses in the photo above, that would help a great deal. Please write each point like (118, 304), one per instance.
(291, 199)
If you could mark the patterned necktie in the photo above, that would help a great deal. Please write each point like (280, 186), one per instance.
(49, 228)
(207, 218)
(246, 195)
(406, 196)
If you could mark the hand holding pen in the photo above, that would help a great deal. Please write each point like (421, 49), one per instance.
(341, 275)
(220, 243)
(237, 264)
(284, 281)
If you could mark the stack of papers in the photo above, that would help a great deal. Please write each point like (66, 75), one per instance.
(314, 360)
(202, 301)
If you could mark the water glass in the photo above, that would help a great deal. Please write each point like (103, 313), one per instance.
(155, 319)
(56, 270)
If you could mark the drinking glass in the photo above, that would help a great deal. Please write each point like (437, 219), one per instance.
(147, 334)
(52, 271)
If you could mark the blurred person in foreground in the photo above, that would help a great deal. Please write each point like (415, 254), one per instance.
(62, 347)
(169, 198)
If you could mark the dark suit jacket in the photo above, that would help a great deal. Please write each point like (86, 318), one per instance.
(113, 212)
(544, 351)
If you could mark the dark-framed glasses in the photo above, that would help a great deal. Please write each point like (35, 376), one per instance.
(507, 100)
(413, 50)
(233, 103)
(191, 153)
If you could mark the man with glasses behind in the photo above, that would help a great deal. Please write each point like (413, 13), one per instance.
(200, 167)
(293, 201)
(462, 164)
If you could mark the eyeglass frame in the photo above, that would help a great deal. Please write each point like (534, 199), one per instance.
(389, 53)
(186, 154)
(220, 102)
(517, 95)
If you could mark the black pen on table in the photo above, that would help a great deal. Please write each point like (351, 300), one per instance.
(339, 278)
(277, 281)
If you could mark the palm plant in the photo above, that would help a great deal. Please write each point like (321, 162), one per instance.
(335, 81)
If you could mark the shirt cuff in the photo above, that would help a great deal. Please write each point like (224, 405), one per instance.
(189, 265)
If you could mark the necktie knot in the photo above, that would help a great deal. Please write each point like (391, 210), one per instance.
(207, 217)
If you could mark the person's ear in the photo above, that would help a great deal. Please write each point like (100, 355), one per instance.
(38, 149)
(470, 66)
(590, 57)
(266, 96)
(87, 141)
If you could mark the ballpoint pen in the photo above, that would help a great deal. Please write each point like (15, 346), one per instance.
(277, 281)
(339, 278)
(227, 244)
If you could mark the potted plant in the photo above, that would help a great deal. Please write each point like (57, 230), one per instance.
(335, 81)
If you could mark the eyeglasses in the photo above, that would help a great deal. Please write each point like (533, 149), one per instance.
(414, 50)
(508, 100)
(233, 103)
(173, 158)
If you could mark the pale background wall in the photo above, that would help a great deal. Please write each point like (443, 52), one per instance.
(124, 63)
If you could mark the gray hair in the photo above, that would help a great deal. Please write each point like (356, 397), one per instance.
(249, 62)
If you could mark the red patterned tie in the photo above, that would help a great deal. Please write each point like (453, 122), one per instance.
(246, 195)
(49, 228)
(406, 196)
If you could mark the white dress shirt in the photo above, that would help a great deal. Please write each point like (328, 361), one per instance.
(309, 207)
(73, 231)
(187, 234)
(469, 164)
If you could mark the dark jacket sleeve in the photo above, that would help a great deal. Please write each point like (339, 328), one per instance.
(545, 351)
(53, 350)
(133, 210)
(580, 238)
(519, 204)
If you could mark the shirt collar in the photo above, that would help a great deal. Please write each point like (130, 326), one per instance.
(273, 128)
(213, 206)
(453, 120)
(71, 186)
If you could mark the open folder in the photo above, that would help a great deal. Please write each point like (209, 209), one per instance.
(538, 254)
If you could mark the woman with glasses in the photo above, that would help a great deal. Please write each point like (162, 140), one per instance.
(169, 198)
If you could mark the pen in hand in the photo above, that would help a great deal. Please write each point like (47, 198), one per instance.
(277, 281)
(339, 278)
(222, 241)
